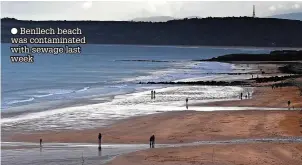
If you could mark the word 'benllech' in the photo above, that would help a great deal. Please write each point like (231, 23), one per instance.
(49, 31)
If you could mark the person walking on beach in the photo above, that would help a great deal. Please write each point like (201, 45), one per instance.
(40, 142)
(187, 106)
(100, 140)
(241, 96)
(152, 141)
(288, 104)
(152, 94)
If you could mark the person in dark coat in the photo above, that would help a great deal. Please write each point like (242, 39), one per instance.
(100, 140)
(40, 142)
(187, 100)
(152, 141)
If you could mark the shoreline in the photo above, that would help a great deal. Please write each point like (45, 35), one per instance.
(180, 127)
(19, 116)
(87, 100)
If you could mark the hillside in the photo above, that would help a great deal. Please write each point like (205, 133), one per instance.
(160, 18)
(154, 19)
(229, 31)
(292, 16)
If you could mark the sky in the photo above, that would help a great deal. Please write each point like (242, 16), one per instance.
(127, 10)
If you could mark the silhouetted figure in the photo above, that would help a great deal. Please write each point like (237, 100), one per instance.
(100, 140)
(152, 141)
(288, 104)
(252, 76)
(152, 94)
(246, 96)
(241, 96)
(40, 142)
(187, 100)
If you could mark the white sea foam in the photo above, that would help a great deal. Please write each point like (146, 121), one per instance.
(122, 106)
(20, 101)
(84, 89)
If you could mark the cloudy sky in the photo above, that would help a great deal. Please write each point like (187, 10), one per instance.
(126, 10)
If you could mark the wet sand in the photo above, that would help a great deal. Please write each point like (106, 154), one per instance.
(227, 154)
(63, 154)
(75, 153)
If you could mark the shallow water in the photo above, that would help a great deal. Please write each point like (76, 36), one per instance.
(100, 85)
(102, 70)
(72, 153)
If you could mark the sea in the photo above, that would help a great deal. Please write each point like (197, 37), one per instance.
(101, 84)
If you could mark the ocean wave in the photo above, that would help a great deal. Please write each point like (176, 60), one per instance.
(44, 94)
(20, 101)
(119, 86)
(82, 90)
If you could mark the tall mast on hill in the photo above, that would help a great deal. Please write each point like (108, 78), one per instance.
(254, 13)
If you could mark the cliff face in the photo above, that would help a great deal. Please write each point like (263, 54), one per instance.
(242, 31)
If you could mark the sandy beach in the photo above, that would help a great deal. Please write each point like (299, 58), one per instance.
(266, 97)
(190, 126)
(239, 154)
(178, 127)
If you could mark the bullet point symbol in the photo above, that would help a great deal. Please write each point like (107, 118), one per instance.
(14, 31)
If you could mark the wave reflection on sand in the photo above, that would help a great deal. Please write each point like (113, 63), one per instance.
(71, 153)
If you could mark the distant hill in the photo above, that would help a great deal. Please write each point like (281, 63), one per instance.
(228, 31)
(160, 18)
(292, 16)
(284, 55)
(154, 19)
